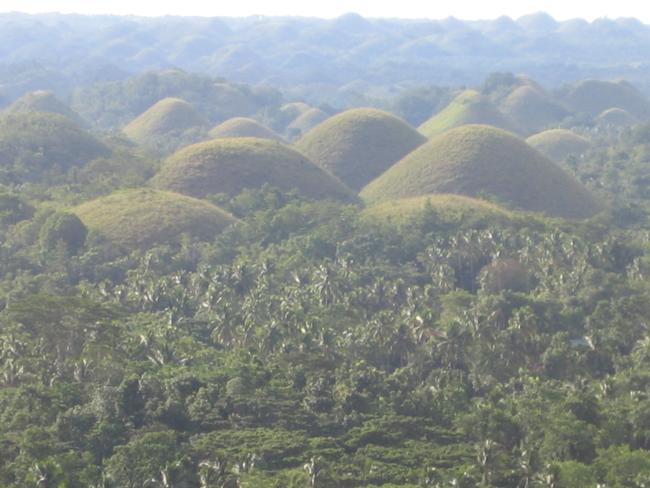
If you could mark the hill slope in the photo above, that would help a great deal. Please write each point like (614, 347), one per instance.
(594, 96)
(470, 107)
(231, 165)
(44, 101)
(447, 208)
(558, 144)
(32, 144)
(532, 109)
(166, 117)
(475, 160)
(306, 121)
(143, 217)
(617, 117)
(358, 145)
(243, 127)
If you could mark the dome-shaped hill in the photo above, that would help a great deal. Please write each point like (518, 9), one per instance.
(448, 208)
(243, 127)
(44, 101)
(306, 122)
(169, 116)
(470, 107)
(32, 144)
(294, 109)
(617, 117)
(559, 144)
(532, 109)
(358, 145)
(232, 165)
(144, 217)
(482, 160)
(595, 96)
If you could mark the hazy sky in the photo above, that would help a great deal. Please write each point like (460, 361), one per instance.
(464, 9)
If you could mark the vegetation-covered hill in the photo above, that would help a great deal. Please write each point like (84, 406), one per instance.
(243, 127)
(305, 122)
(33, 145)
(231, 165)
(167, 118)
(532, 109)
(617, 117)
(479, 160)
(595, 96)
(142, 218)
(470, 107)
(559, 144)
(44, 101)
(358, 145)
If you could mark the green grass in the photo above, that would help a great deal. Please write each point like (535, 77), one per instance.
(36, 143)
(168, 116)
(358, 145)
(44, 101)
(448, 209)
(532, 109)
(478, 160)
(294, 109)
(559, 144)
(232, 165)
(143, 217)
(470, 107)
(243, 127)
(594, 96)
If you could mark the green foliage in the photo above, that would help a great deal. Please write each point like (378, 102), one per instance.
(63, 228)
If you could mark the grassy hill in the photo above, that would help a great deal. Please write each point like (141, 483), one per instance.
(532, 109)
(559, 144)
(33, 144)
(167, 117)
(617, 117)
(594, 96)
(144, 217)
(44, 101)
(306, 121)
(294, 109)
(480, 160)
(243, 127)
(449, 209)
(358, 145)
(231, 165)
(470, 107)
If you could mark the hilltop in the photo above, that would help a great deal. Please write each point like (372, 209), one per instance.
(532, 109)
(360, 144)
(243, 127)
(470, 107)
(481, 160)
(559, 144)
(617, 117)
(232, 165)
(44, 101)
(141, 218)
(305, 122)
(169, 117)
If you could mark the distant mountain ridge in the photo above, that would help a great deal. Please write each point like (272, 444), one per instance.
(349, 51)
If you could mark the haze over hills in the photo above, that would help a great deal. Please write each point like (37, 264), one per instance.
(305, 52)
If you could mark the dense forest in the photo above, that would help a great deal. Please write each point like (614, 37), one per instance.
(208, 283)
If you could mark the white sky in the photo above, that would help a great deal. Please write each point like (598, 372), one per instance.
(462, 9)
